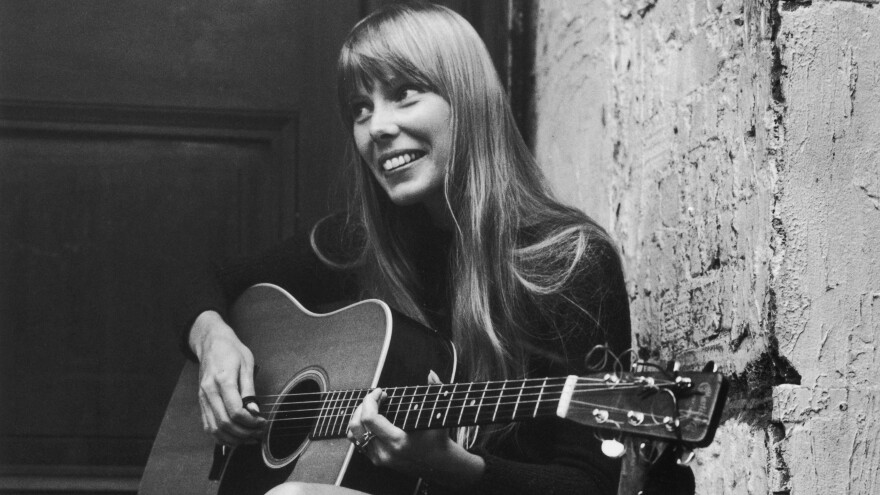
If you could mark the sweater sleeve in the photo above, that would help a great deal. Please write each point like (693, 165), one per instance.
(292, 265)
(557, 456)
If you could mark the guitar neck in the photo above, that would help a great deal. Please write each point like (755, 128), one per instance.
(422, 407)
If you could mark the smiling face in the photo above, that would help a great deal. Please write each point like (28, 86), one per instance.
(403, 133)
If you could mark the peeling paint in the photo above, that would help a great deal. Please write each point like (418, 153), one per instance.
(733, 150)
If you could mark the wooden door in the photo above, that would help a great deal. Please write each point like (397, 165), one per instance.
(138, 139)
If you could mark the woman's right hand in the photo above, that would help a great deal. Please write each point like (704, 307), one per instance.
(226, 374)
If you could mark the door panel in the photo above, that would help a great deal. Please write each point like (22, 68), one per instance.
(137, 140)
(101, 218)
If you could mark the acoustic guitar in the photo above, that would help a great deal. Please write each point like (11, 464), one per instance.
(313, 370)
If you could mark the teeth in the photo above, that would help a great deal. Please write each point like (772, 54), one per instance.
(398, 161)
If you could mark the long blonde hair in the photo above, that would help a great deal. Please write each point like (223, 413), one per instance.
(493, 188)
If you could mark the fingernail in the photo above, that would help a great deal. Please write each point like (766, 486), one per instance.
(253, 407)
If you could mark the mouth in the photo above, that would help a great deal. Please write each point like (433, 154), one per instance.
(396, 160)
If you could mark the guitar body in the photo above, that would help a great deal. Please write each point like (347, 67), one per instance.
(361, 346)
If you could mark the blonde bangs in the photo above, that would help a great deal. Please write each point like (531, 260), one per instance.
(385, 49)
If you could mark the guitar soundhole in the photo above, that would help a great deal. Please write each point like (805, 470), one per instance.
(293, 418)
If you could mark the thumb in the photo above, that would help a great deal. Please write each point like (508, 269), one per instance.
(433, 379)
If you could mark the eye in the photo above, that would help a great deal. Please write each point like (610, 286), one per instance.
(407, 91)
(360, 111)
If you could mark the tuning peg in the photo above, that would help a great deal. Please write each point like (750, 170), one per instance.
(613, 449)
(710, 367)
(685, 456)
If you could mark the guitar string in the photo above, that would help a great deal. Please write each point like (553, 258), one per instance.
(346, 411)
(347, 395)
(689, 413)
(644, 428)
(698, 419)
(598, 382)
(332, 417)
(347, 398)
(353, 402)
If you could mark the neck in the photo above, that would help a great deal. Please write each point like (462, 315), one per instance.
(439, 211)
(445, 406)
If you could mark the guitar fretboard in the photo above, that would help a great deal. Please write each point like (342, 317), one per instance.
(422, 407)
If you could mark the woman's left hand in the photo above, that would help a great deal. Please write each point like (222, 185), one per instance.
(430, 454)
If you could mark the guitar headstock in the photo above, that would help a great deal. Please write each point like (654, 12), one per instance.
(680, 407)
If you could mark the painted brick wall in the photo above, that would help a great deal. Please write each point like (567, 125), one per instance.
(733, 150)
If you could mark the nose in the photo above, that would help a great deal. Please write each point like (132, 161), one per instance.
(383, 123)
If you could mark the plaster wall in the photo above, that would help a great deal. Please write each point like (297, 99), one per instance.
(732, 147)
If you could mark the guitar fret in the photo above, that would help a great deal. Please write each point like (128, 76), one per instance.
(409, 408)
(421, 407)
(399, 403)
(405, 402)
(500, 396)
(480, 405)
(432, 393)
(518, 398)
(540, 394)
(347, 410)
(338, 412)
(436, 395)
(464, 402)
(322, 415)
(330, 410)
(509, 400)
(331, 401)
(449, 403)
(353, 402)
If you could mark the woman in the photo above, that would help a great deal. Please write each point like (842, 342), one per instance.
(451, 223)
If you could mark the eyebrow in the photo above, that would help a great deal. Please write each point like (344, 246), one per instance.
(357, 94)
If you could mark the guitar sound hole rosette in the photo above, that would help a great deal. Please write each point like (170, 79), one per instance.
(293, 417)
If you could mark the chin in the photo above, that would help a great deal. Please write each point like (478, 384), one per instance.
(405, 200)
(408, 196)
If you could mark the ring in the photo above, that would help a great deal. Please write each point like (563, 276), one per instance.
(361, 444)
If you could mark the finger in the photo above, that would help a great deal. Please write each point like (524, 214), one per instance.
(217, 407)
(370, 405)
(229, 392)
(433, 379)
(246, 384)
(355, 427)
(248, 417)
(226, 429)
(214, 425)
(375, 422)
(233, 412)
(250, 425)
(208, 422)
